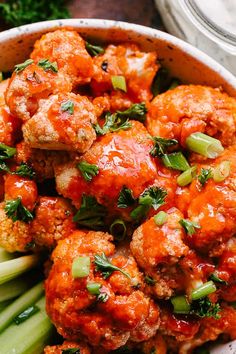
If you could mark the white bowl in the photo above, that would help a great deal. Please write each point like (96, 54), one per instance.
(183, 60)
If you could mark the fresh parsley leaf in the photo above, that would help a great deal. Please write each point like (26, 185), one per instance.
(206, 173)
(21, 12)
(149, 280)
(16, 211)
(216, 279)
(205, 308)
(102, 297)
(137, 112)
(23, 316)
(94, 50)
(71, 351)
(113, 123)
(25, 170)
(91, 214)
(125, 198)
(47, 65)
(68, 106)
(161, 145)
(106, 267)
(189, 226)
(153, 197)
(88, 170)
(20, 67)
(4, 167)
(6, 152)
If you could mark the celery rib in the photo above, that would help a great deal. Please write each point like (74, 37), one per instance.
(5, 256)
(14, 288)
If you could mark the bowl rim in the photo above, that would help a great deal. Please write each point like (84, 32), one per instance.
(150, 32)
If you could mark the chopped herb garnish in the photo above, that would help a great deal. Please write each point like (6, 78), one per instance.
(118, 229)
(6, 152)
(47, 65)
(205, 308)
(88, 170)
(102, 297)
(4, 167)
(71, 351)
(113, 123)
(206, 173)
(91, 214)
(20, 67)
(149, 280)
(216, 279)
(125, 198)
(68, 106)
(137, 112)
(94, 50)
(96, 289)
(106, 267)
(25, 170)
(16, 211)
(23, 316)
(176, 161)
(189, 226)
(119, 83)
(161, 145)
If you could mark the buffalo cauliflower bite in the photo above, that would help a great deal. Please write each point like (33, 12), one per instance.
(212, 206)
(52, 222)
(67, 48)
(42, 161)
(59, 349)
(138, 68)
(62, 122)
(28, 86)
(14, 236)
(188, 109)
(106, 321)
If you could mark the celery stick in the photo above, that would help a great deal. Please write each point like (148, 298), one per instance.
(19, 305)
(14, 288)
(4, 304)
(5, 256)
(13, 268)
(31, 336)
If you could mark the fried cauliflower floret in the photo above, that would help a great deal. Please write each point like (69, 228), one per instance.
(138, 68)
(59, 349)
(52, 222)
(212, 206)
(42, 161)
(123, 159)
(67, 48)
(62, 122)
(14, 236)
(30, 85)
(156, 344)
(76, 313)
(186, 109)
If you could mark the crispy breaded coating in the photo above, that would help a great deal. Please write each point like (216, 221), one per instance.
(58, 349)
(56, 126)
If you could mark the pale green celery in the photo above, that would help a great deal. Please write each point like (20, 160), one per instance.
(4, 304)
(19, 305)
(14, 288)
(5, 256)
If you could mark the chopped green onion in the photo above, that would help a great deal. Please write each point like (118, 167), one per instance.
(176, 160)
(160, 218)
(20, 67)
(203, 290)
(149, 280)
(19, 305)
(118, 229)
(222, 171)
(93, 288)
(206, 173)
(68, 106)
(48, 65)
(189, 226)
(13, 268)
(216, 279)
(119, 83)
(186, 177)
(81, 267)
(23, 316)
(94, 50)
(204, 145)
(181, 305)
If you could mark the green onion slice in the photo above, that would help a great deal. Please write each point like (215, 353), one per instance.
(222, 171)
(160, 218)
(186, 177)
(81, 267)
(23, 316)
(203, 290)
(204, 145)
(181, 304)
(93, 288)
(176, 160)
(118, 229)
(119, 83)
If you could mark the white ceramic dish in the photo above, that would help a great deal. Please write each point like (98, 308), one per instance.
(183, 60)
